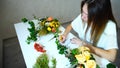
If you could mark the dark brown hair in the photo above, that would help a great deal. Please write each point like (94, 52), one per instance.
(99, 13)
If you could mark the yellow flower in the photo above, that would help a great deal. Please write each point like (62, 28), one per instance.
(81, 58)
(56, 26)
(51, 24)
(83, 48)
(90, 64)
(87, 55)
(49, 29)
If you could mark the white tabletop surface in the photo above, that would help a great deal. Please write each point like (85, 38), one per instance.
(30, 54)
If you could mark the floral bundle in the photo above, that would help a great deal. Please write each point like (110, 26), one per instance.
(48, 25)
(85, 58)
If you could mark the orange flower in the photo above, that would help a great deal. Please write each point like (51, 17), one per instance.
(49, 19)
(53, 30)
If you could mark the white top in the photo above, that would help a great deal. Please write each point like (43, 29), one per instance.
(108, 39)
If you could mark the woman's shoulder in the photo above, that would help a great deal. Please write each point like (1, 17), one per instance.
(110, 27)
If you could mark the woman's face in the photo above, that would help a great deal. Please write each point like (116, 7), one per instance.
(84, 13)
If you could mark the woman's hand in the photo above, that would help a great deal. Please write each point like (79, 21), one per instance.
(62, 38)
(76, 41)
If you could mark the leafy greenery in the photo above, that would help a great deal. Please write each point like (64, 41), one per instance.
(42, 61)
(72, 59)
(61, 48)
(75, 51)
(32, 30)
(24, 20)
(97, 66)
(54, 62)
(110, 65)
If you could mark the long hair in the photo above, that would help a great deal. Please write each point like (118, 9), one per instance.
(99, 13)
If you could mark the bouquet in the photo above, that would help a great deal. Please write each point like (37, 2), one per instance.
(48, 25)
(85, 58)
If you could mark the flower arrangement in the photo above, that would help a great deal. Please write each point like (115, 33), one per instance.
(85, 58)
(81, 58)
(48, 25)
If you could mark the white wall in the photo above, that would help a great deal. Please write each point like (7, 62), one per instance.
(116, 10)
(11, 12)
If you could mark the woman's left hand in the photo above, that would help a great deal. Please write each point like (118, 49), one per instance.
(76, 41)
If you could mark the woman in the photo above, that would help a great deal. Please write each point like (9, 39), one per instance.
(96, 28)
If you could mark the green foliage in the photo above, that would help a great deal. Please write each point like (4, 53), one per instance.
(42, 61)
(110, 65)
(33, 32)
(97, 66)
(75, 51)
(92, 58)
(60, 47)
(72, 59)
(54, 62)
(24, 20)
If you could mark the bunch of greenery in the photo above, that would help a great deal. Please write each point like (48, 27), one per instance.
(42, 61)
(32, 30)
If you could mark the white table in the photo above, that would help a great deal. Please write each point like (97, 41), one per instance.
(30, 54)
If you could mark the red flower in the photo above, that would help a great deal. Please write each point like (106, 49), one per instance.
(39, 47)
(53, 30)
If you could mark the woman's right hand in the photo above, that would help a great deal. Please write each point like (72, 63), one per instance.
(62, 38)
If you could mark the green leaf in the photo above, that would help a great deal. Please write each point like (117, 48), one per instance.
(24, 20)
(75, 51)
(92, 58)
(110, 65)
(97, 66)
(54, 62)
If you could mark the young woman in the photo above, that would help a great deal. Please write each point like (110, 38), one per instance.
(96, 28)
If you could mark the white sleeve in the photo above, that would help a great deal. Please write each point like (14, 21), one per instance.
(77, 24)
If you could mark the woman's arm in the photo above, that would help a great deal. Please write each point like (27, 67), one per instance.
(67, 30)
(108, 54)
(64, 35)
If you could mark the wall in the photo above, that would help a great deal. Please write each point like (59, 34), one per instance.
(116, 10)
(1, 53)
(11, 12)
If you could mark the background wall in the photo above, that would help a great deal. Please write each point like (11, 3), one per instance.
(11, 12)
(116, 10)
